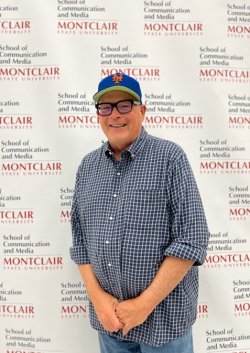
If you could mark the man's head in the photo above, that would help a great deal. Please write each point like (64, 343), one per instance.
(120, 111)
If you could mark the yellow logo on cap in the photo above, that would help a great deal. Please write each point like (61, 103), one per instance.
(117, 78)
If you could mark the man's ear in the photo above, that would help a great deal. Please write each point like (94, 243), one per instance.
(143, 111)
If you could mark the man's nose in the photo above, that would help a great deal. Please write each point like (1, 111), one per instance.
(115, 113)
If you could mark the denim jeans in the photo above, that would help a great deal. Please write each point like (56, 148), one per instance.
(109, 344)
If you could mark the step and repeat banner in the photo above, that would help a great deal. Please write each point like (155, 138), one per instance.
(193, 62)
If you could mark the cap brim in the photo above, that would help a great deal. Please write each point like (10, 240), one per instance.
(98, 95)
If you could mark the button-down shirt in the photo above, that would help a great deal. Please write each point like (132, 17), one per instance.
(127, 216)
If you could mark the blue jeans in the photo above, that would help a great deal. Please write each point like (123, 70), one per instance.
(109, 344)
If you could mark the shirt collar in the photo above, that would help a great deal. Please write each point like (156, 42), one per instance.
(133, 149)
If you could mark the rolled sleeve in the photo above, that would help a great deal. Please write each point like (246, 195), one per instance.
(185, 251)
(78, 251)
(79, 254)
(189, 231)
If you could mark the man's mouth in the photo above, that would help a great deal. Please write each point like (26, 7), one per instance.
(117, 126)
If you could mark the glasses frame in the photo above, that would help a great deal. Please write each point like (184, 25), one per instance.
(114, 105)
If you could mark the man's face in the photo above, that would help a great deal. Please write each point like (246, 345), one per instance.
(121, 129)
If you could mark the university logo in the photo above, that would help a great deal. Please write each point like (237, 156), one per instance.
(74, 311)
(242, 309)
(228, 260)
(202, 311)
(29, 263)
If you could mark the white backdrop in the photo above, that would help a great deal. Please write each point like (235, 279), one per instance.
(192, 60)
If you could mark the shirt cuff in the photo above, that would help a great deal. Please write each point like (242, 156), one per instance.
(186, 251)
(79, 254)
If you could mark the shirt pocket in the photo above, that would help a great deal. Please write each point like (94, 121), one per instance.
(145, 210)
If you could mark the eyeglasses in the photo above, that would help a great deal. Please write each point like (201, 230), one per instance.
(123, 107)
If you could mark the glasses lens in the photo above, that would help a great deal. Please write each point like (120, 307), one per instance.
(124, 107)
(104, 109)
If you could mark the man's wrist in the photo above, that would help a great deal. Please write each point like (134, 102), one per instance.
(147, 302)
(101, 296)
(96, 295)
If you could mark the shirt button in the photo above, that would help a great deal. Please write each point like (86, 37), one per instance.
(115, 195)
(109, 264)
(107, 241)
(111, 218)
(118, 173)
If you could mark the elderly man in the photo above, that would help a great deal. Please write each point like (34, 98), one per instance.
(139, 230)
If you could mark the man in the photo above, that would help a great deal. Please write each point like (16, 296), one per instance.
(139, 230)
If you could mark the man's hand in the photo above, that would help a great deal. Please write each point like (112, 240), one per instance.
(135, 311)
(132, 313)
(103, 302)
(105, 306)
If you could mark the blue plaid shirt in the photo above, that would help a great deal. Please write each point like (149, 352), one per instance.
(127, 215)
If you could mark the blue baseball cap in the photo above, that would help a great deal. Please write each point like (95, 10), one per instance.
(119, 82)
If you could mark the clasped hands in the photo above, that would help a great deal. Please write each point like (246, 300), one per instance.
(115, 315)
